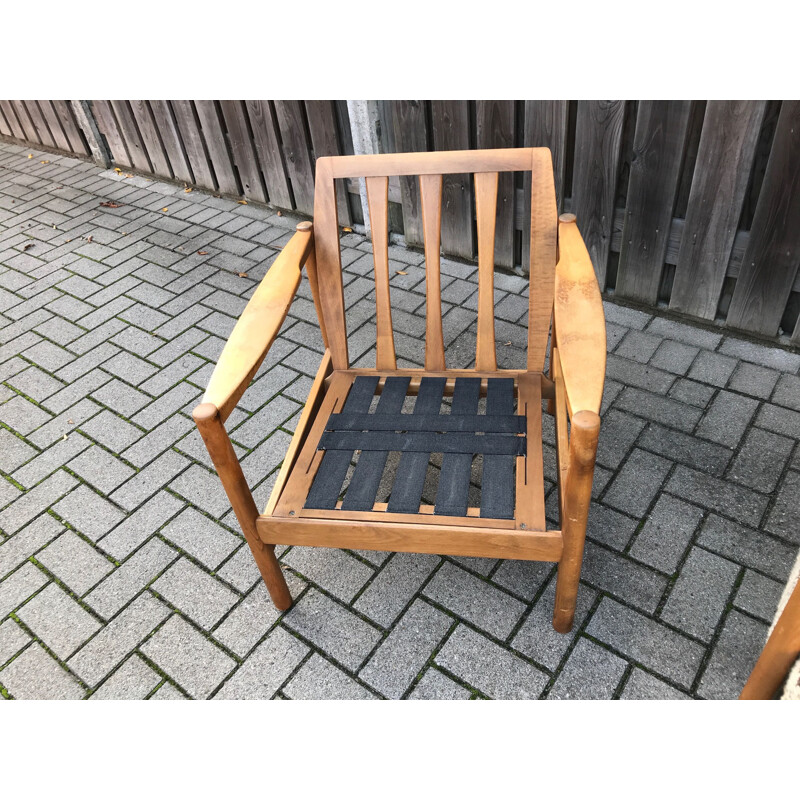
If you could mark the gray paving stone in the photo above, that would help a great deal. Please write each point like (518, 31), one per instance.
(537, 638)
(591, 673)
(639, 481)
(336, 631)
(12, 640)
(34, 675)
(168, 692)
(772, 357)
(749, 547)
(489, 668)
(23, 416)
(435, 685)
(761, 460)
(201, 537)
(666, 534)
(87, 511)
(780, 420)
(701, 593)
(27, 542)
(240, 570)
(394, 586)
(783, 519)
(131, 578)
(727, 418)
(74, 562)
(717, 495)
(405, 651)
(787, 392)
(149, 480)
(19, 586)
(266, 669)
(522, 578)
(618, 432)
(706, 456)
(134, 680)
(754, 380)
(758, 595)
(14, 451)
(34, 501)
(475, 600)
(712, 368)
(645, 641)
(691, 392)
(35, 383)
(658, 408)
(318, 679)
(139, 526)
(203, 489)
(670, 329)
(733, 657)
(643, 686)
(241, 630)
(109, 430)
(100, 469)
(334, 570)
(620, 577)
(622, 315)
(639, 346)
(194, 592)
(58, 620)
(674, 356)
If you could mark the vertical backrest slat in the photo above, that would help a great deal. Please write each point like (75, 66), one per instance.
(329, 264)
(544, 241)
(486, 212)
(431, 194)
(378, 200)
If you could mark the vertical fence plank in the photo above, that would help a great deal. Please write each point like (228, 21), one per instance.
(545, 125)
(411, 136)
(244, 154)
(217, 146)
(450, 121)
(772, 257)
(11, 119)
(5, 128)
(73, 129)
(25, 121)
(170, 138)
(495, 128)
(658, 146)
(107, 125)
(265, 136)
(192, 139)
(150, 138)
(724, 159)
(323, 128)
(130, 132)
(598, 135)
(291, 124)
(54, 124)
(42, 131)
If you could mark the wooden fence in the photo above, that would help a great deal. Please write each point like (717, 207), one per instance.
(689, 205)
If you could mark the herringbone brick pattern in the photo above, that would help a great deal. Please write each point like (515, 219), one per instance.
(123, 573)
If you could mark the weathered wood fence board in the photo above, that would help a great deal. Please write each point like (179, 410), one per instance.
(773, 253)
(597, 146)
(724, 159)
(691, 202)
(657, 152)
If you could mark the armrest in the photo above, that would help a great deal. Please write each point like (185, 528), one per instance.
(579, 321)
(259, 324)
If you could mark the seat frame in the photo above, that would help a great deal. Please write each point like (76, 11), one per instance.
(564, 292)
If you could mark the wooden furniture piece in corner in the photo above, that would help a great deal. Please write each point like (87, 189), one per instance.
(782, 649)
(310, 504)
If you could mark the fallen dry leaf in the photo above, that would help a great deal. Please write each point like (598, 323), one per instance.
(28, 246)
(279, 213)
(187, 189)
(44, 162)
(110, 204)
(400, 272)
(65, 437)
(128, 174)
(118, 170)
(70, 422)
(165, 209)
(347, 230)
(242, 274)
(506, 344)
(242, 202)
(202, 252)
(89, 238)
(30, 155)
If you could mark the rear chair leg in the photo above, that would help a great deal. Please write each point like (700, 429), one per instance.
(219, 446)
(577, 497)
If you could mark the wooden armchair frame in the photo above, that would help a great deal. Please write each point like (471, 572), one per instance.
(305, 508)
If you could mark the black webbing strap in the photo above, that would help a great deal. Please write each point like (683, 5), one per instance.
(497, 481)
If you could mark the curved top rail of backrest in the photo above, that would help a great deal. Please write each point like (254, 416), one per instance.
(544, 232)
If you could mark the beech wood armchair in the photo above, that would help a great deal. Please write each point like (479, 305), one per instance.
(307, 505)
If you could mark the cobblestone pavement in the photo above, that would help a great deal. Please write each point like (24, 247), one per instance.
(123, 573)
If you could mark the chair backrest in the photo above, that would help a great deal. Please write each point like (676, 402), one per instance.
(486, 166)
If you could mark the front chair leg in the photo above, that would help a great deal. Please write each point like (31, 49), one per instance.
(577, 497)
(219, 447)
